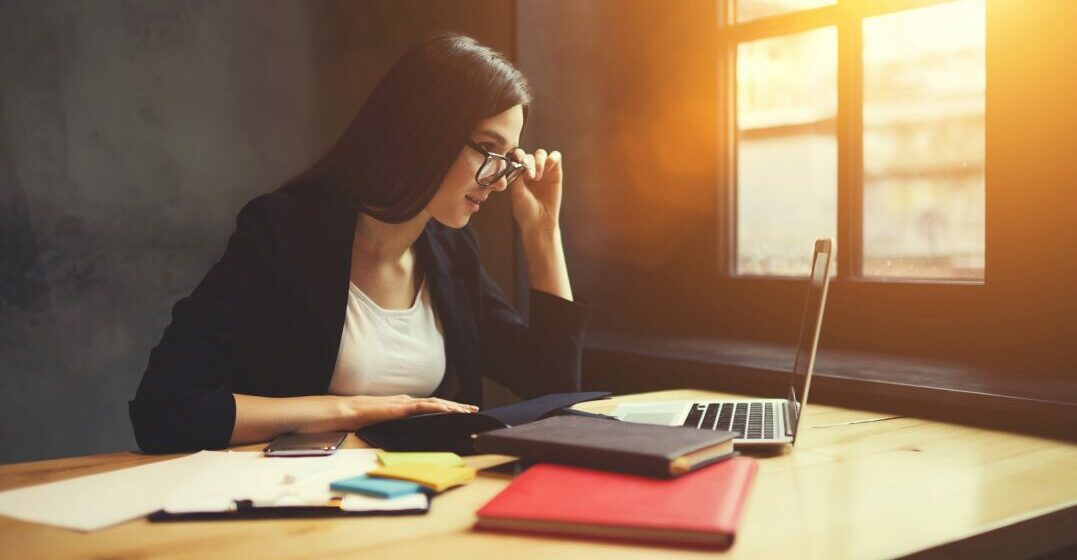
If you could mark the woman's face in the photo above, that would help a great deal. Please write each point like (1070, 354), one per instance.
(459, 195)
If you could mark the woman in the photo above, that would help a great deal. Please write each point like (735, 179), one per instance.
(354, 294)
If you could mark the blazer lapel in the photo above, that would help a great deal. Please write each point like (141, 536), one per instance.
(327, 289)
(462, 381)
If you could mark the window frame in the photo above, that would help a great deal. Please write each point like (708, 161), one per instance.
(847, 17)
(929, 317)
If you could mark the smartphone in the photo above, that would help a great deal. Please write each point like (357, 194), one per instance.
(302, 445)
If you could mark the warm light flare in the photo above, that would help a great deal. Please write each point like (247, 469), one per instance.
(652, 183)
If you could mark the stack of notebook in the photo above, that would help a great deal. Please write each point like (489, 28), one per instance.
(608, 444)
(601, 477)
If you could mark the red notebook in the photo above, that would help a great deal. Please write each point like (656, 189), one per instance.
(702, 507)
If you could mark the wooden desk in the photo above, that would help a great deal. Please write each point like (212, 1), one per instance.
(866, 490)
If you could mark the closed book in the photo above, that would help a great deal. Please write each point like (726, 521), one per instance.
(701, 508)
(600, 443)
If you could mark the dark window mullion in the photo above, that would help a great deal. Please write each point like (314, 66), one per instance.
(868, 9)
(784, 24)
(729, 197)
(727, 145)
(850, 248)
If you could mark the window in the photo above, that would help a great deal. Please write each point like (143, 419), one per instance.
(861, 120)
(786, 115)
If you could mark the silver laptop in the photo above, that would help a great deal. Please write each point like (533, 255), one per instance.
(760, 422)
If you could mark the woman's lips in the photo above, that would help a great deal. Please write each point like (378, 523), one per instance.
(473, 202)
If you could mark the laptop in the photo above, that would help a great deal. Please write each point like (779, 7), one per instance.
(759, 422)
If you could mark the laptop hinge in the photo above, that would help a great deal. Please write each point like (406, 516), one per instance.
(788, 423)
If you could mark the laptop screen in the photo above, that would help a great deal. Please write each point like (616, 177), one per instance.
(809, 331)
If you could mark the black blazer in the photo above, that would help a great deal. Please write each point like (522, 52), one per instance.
(267, 320)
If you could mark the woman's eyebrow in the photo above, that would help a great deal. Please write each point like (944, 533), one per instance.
(497, 137)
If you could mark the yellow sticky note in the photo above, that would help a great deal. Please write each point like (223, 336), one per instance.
(445, 459)
(436, 477)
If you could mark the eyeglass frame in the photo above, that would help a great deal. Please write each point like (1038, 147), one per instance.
(513, 167)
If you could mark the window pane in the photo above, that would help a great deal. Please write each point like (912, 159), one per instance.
(924, 142)
(755, 9)
(786, 150)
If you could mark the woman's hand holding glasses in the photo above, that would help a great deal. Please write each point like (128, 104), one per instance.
(536, 206)
(536, 196)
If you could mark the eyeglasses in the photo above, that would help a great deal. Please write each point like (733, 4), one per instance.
(495, 166)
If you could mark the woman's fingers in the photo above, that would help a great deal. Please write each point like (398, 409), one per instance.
(369, 410)
(451, 406)
(410, 405)
(553, 166)
(422, 407)
(530, 162)
(539, 159)
(538, 164)
(409, 399)
(519, 155)
(446, 402)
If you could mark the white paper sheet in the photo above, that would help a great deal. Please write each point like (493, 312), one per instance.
(205, 481)
(267, 481)
(358, 502)
(88, 503)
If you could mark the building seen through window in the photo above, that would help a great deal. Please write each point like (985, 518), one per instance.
(921, 85)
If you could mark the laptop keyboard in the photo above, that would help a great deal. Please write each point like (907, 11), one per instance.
(753, 420)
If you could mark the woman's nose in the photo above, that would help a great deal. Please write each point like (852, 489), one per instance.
(500, 184)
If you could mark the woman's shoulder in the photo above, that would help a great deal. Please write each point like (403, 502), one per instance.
(266, 207)
(284, 211)
(286, 226)
(267, 218)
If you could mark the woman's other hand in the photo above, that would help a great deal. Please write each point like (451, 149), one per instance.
(363, 410)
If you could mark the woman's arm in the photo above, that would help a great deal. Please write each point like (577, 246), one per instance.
(536, 206)
(261, 419)
(184, 401)
(543, 356)
(546, 266)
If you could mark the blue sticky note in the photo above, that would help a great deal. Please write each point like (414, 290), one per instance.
(379, 487)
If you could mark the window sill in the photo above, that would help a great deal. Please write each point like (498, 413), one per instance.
(1010, 399)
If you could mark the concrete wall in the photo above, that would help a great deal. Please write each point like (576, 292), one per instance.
(130, 135)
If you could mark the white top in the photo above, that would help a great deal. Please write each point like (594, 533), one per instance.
(389, 351)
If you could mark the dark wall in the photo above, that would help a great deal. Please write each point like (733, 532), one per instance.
(130, 135)
(1032, 182)
(630, 90)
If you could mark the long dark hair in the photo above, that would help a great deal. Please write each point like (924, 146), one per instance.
(394, 154)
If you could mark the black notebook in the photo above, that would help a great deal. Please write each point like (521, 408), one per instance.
(597, 443)
(454, 431)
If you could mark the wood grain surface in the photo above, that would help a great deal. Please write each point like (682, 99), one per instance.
(867, 489)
